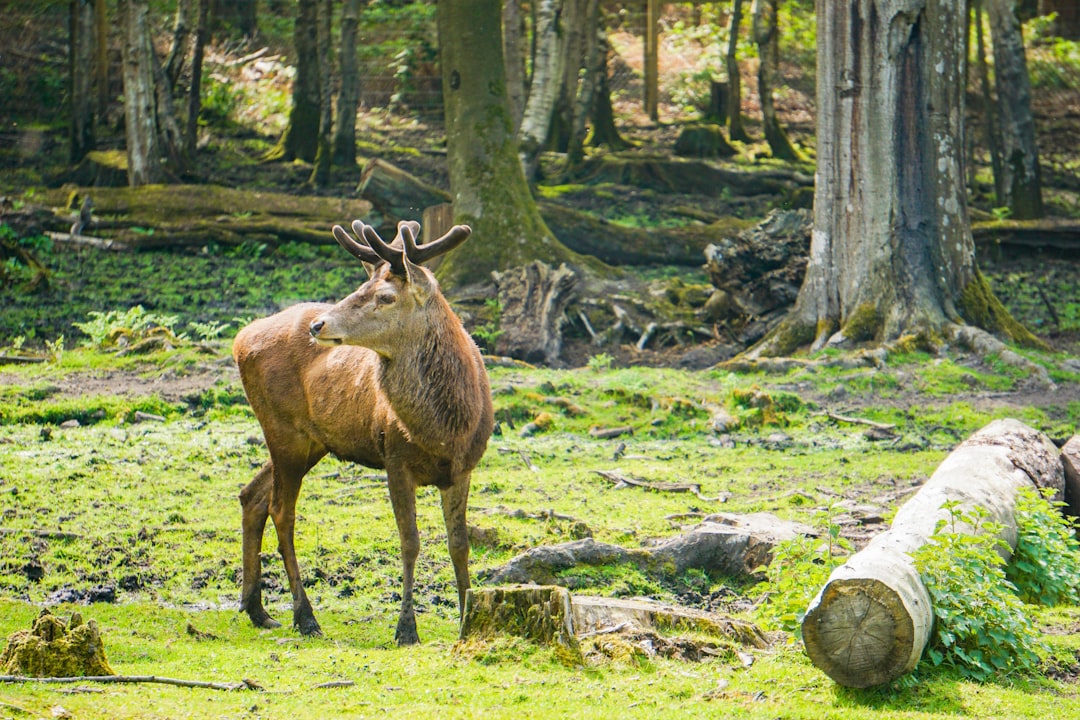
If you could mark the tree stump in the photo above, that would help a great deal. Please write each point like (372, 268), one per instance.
(54, 648)
(532, 300)
(396, 194)
(703, 141)
(872, 620)
(539, 613)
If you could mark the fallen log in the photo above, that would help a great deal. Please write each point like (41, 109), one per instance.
(871, 621)
(1070, 459)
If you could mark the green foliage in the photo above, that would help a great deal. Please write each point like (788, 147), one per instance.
(207, 331)
(980, 628)
(113, 328)
(798, 569)
(600, 362)
(1045, 566)
(488, 332)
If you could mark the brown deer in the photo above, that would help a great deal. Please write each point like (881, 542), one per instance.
(388, 378)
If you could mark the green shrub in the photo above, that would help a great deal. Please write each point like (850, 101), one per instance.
(1045, 567)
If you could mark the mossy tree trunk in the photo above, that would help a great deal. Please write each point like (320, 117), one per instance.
(194, 107)
(1021, 181)
(514, 59)
(575, 149)
(349, 95)
(736, 131)
(487, 183)
(301, 137)
(989, 112)
(767, 36)
(891, 251)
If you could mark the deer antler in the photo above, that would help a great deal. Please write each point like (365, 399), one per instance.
(403, 246)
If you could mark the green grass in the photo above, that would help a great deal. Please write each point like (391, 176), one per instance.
(150, 510)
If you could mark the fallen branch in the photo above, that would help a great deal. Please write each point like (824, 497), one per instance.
(856, 421)
(133, 679)
(609, 433)
(622, 481)
(336, 684)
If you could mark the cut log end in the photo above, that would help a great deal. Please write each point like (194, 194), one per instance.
(860, 633)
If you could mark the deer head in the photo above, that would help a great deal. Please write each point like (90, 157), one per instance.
(385, 312)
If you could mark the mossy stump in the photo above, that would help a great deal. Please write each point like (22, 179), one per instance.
(541, 613)
(703, 141)
(55, 649)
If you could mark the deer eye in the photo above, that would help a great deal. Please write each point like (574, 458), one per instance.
(385, 298)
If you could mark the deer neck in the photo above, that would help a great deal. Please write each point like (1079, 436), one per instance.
(435, 384)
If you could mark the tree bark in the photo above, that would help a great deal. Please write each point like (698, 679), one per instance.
(736, 131)
(575, 150)
(767, 37)
(140, 117)
(349, 95)
(548, 66)
(872, 620)
(101, 61)
(174, 61)
(892, 252)
(514, 57)
(81, 63)
(194, 106)
(320, 174)
(993, 141)
(1021, 179)
(487, 182)
(301, 137)
(605, 131)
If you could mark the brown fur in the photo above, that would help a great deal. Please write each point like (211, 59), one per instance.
(389, 380)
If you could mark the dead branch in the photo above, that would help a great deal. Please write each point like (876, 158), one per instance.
(609, 433)
(856, 421)
(131, 679)
(622, 481)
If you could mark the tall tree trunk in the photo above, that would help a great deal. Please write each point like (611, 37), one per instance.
(989, 112)
(301, 137)
(320, 174)
(487, 182)
(1021, 179)
(101, 62)
(575, 150)
(81, 66)
(605, 132)
(575, 39)
(548, 64)
(736, 131)
(191, 131)
(140, 118)
(514, 57)
(241, 14)
(174, 62)
(767, 36)
(891, 252)
(349, 95)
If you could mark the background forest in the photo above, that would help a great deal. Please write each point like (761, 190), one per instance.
(170, 171)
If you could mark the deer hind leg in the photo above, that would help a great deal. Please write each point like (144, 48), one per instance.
(255, 501)
(403, 500)
(289, 471)
(454, 500)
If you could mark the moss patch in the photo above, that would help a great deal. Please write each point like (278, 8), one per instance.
(54, 648)
(980, 307)
(863, 324)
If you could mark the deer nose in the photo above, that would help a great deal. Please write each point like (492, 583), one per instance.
(316, 326)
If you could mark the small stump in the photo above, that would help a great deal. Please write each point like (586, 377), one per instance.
(541, 613)
(55, 649)
(703, 141)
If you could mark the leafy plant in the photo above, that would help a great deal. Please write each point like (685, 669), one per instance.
(487, 333)
(799, 567)
(980, 627)
(55, 349)
(1045, 566)
(206, 331)
(115, 328)
(600, 362)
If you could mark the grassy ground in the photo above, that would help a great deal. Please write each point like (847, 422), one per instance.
(142, 519)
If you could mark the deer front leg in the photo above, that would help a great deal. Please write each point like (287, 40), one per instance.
(255, 501)
(283, 510)
(455, 498)
(403, 500)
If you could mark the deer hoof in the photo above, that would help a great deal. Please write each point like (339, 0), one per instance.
(260, 619)
(308, 627)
